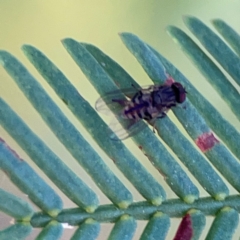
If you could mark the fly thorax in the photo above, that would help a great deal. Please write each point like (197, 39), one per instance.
(156, 98)
(163, 98)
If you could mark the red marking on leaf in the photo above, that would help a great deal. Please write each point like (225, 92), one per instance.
(161, 172)
(206, 141)
(13, 152)
(10, 149)
(141, 148)
(169, 81)
(185, 230)
(113, 160)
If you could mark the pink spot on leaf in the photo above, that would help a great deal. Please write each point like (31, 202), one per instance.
(141, 148)
(206, 141)
(162, 173)
(185, 230)
(169, 81)
(10, 149)
(113, 160)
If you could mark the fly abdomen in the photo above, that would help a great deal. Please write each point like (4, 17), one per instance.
(147, 115)
(137, 98)
(135, 111)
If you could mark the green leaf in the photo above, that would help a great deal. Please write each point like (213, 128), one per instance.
(214, 119)
(27, 180)
(199, 118)
(209, 69)
(231, 36)
(198, 166)
(15, 207)
(123, 229)
(135, 172)
(56, 170)
(224, 225)
(157, 227)
(52, 231)
(18, 231)
(89, 230)
(216, 47)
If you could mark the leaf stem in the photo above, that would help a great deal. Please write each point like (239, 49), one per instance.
(139, 210)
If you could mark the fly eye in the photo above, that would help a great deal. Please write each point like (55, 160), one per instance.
(180, 98)
(179, 91)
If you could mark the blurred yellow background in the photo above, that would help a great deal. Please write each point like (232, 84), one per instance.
(44, 23)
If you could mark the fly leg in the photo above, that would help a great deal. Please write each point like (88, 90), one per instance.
(153, 122)
(120, 101)
(137, 88)
(183, 106)
(162, 115)
(172, 105)
(154, 126)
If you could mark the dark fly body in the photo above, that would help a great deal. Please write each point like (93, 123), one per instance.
(147, 103)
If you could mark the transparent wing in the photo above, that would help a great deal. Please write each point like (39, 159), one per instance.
(124, 128)
(116, 100)
(113, 102)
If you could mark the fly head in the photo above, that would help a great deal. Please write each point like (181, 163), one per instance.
(179, 91)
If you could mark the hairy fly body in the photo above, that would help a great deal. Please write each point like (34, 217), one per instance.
(148, 104)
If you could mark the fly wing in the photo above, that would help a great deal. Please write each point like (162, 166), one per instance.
(114, 102)
(124, 128)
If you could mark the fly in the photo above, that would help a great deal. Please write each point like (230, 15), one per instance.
(130, 106)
